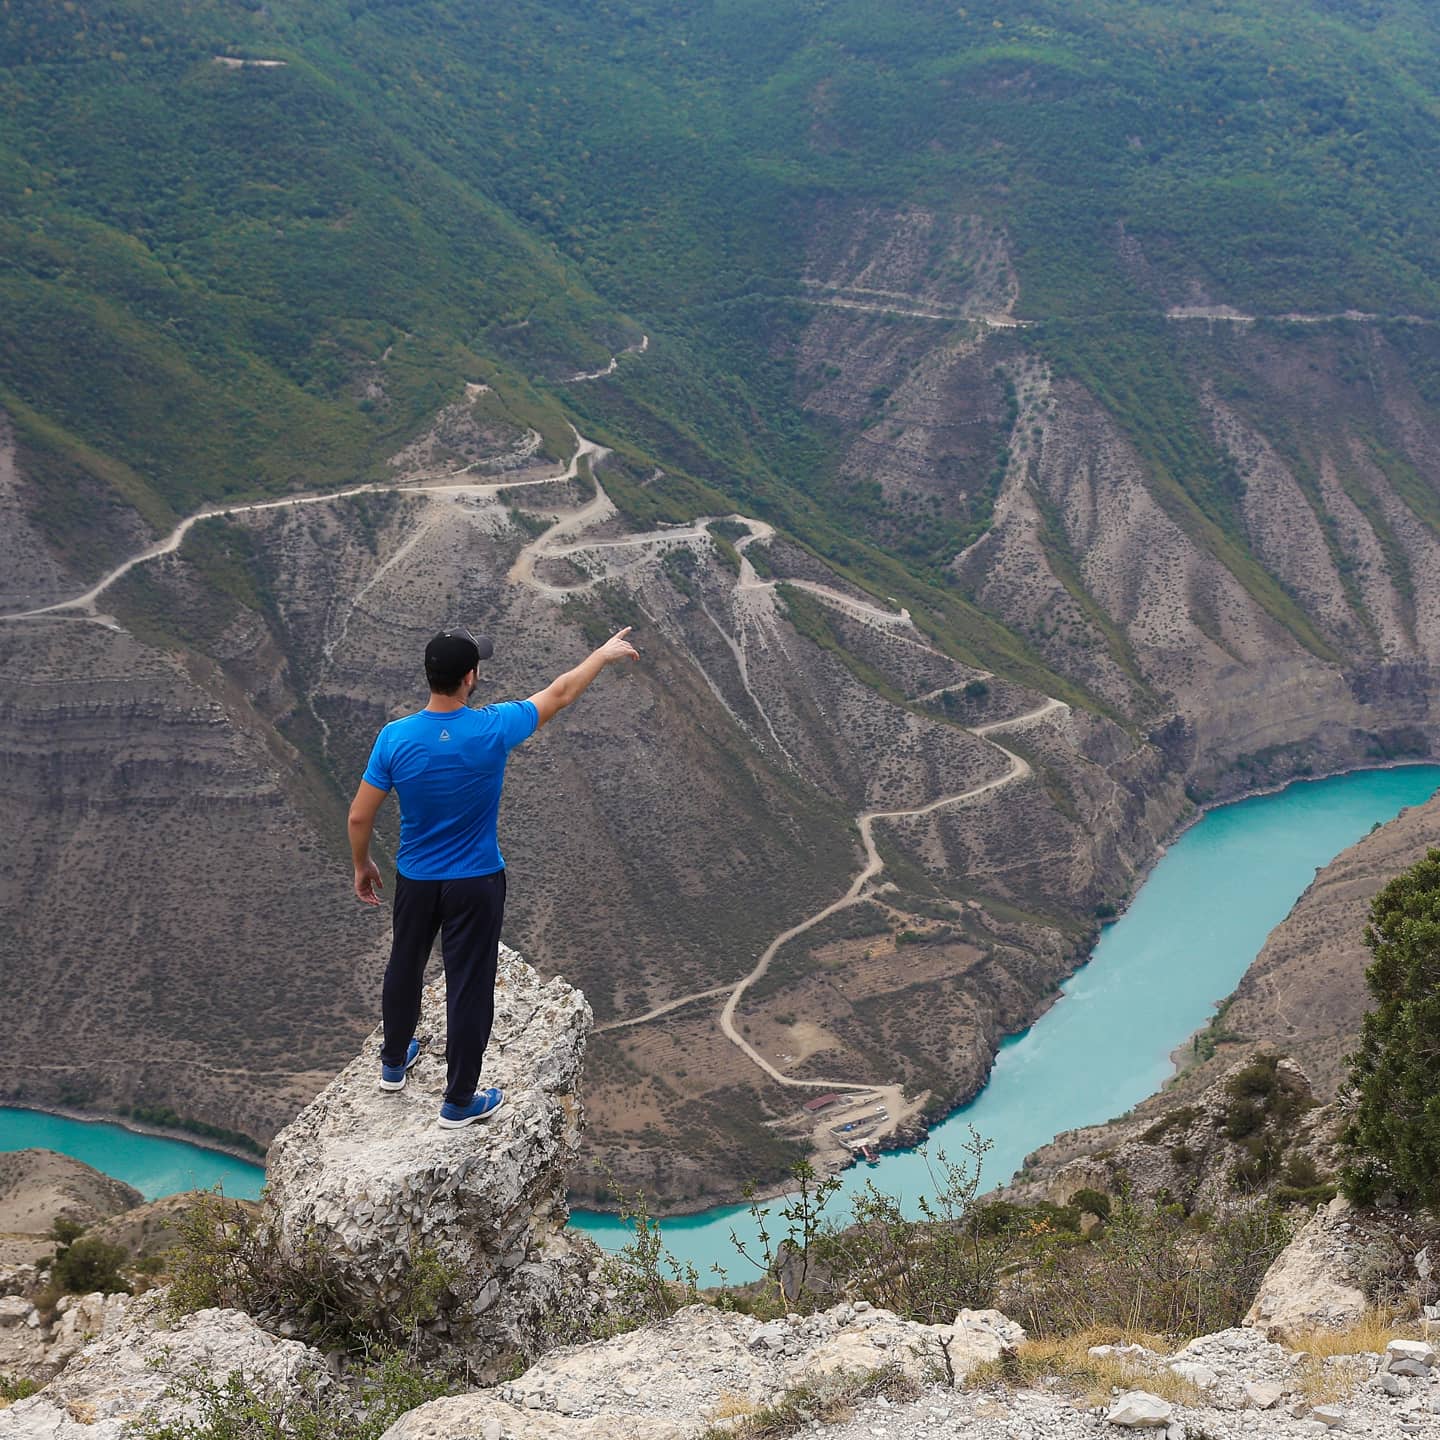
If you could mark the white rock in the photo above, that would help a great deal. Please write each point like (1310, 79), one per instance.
(371, 1177)
(674, 1380)
(14, 1310)
(1401, 1366)
(1307, 1287)
(1331, 1416)
(1395, 1385)
(131, 1374)
(1195, 1372)
(1263, 1394)
(1416, 1352)
(1139, 1409)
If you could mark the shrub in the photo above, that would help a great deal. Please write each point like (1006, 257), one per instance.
(1153, 1269)
(829, 1400)
(928, 1268)
(227, 1256)
(237, 1409)
(88, 1264)
(1393, 1088)
(1242, 1118)
(1181, 1118)
(1091, 1202)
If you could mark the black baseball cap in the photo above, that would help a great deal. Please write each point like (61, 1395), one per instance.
(455, 650)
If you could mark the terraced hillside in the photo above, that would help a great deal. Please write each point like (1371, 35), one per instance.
(1005, 429)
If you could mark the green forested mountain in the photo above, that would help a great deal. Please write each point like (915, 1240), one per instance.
(202, 260)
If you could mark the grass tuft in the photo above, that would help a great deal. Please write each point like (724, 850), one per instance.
(827, 1401)
(1065, 1365)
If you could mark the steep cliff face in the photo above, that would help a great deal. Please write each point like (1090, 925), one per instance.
(1306, 990)
(173, 933)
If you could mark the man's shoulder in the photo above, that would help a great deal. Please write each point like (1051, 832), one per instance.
(410, 726)
(503, 709)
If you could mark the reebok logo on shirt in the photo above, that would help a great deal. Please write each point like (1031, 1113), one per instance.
(444, 734)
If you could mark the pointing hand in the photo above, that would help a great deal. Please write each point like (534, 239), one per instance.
(617, 647)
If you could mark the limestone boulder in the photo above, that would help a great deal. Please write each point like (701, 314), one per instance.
(139, 1369)
(1140, 1410)
(368, 1175)
(702, 1367)
(1310, 1285)
(85, 1318)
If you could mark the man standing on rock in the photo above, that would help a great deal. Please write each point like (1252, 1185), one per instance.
(447, 762)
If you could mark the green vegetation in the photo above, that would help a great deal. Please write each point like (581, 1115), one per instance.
(83, 1264)
(237, 1408)
(1100, 1262)
(168, 1119)
(227, 1256)
(1393, 1135)
(224, 280)
(1264, 1107)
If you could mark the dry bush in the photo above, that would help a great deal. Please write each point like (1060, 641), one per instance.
(227, 1256)
(1151, 1268)
(1067, 1366)
(828, 1400)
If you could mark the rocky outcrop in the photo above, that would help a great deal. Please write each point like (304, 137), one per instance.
(36, 1346)
(396, 1202)
(671, 1381)
(141, 1367)
(705, 1370)
(1306, 989)
(1312, 1283)
(1255, 1123)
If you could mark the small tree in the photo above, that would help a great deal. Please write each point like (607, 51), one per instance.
(1393, 1090)
(87, 1264)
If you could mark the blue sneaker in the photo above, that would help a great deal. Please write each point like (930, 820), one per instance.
(485, 1104)
(392, 1077)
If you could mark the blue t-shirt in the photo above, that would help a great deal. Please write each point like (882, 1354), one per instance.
(448, 768)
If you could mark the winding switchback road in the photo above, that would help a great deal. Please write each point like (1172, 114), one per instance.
(85, 603)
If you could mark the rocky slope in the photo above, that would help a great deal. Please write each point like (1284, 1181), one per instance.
(1304, 995)
(39, 1187)
(847, 1371)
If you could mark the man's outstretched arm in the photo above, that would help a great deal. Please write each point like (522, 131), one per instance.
(567, 688)
(363, 809)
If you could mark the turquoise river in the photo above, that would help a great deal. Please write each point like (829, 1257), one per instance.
(1193, 929)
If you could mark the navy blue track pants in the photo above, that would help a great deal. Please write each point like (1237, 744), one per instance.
(466, 914)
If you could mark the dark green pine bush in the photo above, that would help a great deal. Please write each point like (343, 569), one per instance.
(1393, 1136)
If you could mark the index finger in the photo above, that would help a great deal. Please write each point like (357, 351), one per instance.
(621, 634)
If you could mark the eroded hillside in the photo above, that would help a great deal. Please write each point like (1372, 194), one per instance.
(711, 810)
